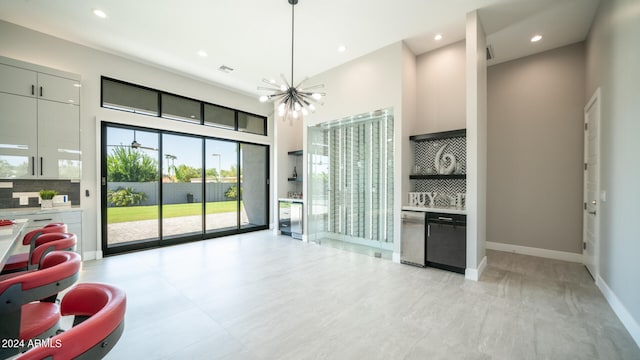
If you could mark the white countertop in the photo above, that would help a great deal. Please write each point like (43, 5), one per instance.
(13, 212)
(291, 200)
(445, 210)
(9, 236)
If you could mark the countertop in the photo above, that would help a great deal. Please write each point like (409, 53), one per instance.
(291, 200)
(13, 212)
(9, 238)
(445, 210)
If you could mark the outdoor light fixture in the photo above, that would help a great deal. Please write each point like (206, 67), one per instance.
(292, 100)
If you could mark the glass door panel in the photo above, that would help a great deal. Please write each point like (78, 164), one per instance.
(182, 183)
(132, 196)
(254, 168)
(221, 158)
(351, 183)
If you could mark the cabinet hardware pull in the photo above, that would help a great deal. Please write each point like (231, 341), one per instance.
(33, 89)
(40, 91)
(592, 212)
(445, 218)
(33, 166)
(41, 165)
(428, 230)
(48, 219)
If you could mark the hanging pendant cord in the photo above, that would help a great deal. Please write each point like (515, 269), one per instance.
(292, 22)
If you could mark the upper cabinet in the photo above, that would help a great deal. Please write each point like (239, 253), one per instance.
(40, 122)
(24, 82)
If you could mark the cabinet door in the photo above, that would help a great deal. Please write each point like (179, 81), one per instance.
(18, 136)
(59, 89)
(58, 140)
(17, 81)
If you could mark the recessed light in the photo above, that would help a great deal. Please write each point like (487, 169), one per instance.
(342, 48)
(438, 37)
(536, 38)
(99, 13)
(77, 85)
(202, 53)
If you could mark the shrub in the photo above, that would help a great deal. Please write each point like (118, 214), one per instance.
(232, 192)
(125, 197)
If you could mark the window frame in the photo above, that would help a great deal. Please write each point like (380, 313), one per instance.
(202, 103)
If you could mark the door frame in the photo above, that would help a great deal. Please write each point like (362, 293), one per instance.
(594, 101)
(161, 241)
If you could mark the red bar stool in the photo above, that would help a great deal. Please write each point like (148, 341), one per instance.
(45, 243)
(98, 311)
(15, 262)
(24, 314)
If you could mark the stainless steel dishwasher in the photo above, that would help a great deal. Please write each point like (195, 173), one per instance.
(412, 250)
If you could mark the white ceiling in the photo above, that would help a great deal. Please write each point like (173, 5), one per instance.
(254, 36)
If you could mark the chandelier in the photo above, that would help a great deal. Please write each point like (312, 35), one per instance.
(292, 100)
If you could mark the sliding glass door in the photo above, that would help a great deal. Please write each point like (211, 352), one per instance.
(162, 188)
(254, 188)
(221, 157)
(181, 186)
(131, 195)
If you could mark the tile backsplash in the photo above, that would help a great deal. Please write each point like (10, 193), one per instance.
(10, 191)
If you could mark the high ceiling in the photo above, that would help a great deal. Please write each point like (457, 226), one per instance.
(254, 36)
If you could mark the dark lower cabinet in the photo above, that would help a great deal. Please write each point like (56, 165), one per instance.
(447, 241)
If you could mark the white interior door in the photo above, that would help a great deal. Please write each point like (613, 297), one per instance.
(591, 184)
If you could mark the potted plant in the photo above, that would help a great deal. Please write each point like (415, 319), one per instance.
(46, 197)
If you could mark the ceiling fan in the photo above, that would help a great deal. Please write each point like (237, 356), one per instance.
(135, 144)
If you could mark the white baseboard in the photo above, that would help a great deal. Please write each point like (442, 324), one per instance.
(474, 274)
(623, 314)
(91, 255)
(545, 253)
(395, 257)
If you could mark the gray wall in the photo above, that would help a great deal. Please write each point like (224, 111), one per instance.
(441, 90)
(176, 193)
(612, 64)
(535, 146)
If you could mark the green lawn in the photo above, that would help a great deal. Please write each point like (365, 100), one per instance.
(134, 213)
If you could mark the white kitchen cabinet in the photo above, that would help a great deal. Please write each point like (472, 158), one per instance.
(58, 140)
(40, 122)
(18, 136)
(56, 88)
(18, 81)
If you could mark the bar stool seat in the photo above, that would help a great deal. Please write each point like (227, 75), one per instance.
(38, 316)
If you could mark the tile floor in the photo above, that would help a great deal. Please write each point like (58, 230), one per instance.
(263, 296)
